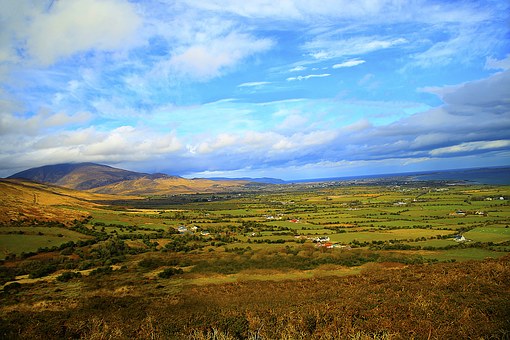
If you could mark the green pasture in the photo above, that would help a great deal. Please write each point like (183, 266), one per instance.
(44, 231)
(503, 214)
(126, 231)
(399, 234)
(292, 225)
(271, 237)
(436, 243)
(488, 234)
(238, 212)
(212, 225)
(31, 240)
(463, 254)
(394, 224)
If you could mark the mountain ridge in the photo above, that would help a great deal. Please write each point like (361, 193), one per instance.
(110, 180)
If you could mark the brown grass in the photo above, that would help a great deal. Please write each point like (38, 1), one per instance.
(23, 199)
(440, 301)
(164, 186)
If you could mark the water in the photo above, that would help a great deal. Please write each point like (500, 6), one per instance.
(495, 176)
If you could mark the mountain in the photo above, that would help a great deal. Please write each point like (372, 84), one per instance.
(106, 179)
(80, 176)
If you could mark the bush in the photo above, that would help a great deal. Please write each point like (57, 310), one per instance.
(165, 274)
(41, 270)
(150, 263)
(66, 276)
(101, 271)
(15, 286)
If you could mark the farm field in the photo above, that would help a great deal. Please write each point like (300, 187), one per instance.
(154, 250)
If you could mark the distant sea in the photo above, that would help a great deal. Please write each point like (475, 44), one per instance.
(493, 175)
(499, 175)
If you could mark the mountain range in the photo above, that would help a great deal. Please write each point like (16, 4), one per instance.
(105, 179)
(98, 178)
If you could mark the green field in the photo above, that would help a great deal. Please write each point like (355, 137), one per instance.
(488, 234)
(33, 238)
(464, 254)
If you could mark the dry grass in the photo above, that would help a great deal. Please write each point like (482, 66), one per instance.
(164, 186)
(440, 301)
(24, 199)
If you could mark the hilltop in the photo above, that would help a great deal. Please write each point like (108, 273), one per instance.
(109, 180)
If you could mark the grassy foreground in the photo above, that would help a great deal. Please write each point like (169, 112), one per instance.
(438, 301)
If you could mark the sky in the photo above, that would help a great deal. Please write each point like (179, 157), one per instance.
(290, 89)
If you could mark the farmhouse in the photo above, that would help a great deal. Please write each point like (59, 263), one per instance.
(321, 239)
(459, 238)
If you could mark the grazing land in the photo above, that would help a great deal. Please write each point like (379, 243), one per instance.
(424, 260)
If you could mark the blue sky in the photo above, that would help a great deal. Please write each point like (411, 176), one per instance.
(290, 89)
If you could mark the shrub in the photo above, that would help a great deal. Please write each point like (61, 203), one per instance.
(41, 270)
(165, 274)
(101, 271)
(150, 263)
(66, 276)
(11, 287)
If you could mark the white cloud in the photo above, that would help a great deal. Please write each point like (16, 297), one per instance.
(222, 141)
(293, 122)
(125, 143)
(462, 43)
(308, 77)
(254, 84)
(73, 26)
(15, 18)
(253, 9)
(209, 59)
(331, 47)
(470, 147)
(17, 125)
(302, 10)
(349, 63)
(495, 64)
(297, 69)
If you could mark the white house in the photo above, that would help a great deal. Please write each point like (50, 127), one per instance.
(459, 238)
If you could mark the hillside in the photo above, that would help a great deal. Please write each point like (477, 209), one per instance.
(22, 199)
(168, 185)
(109, 180)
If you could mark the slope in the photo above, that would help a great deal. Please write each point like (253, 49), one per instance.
(168, 185)
(22, 199)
